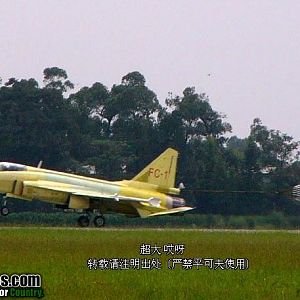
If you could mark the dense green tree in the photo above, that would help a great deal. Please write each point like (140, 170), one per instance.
(135, 107)
(56, 78)
(134, 79)
(110, 159)
(198, 117)
(34, 123)
(91, 104)
(277, 149)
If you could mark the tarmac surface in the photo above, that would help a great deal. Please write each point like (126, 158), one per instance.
(296, 231)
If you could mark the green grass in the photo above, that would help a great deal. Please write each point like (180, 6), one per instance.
(276, 220)
(60, 256)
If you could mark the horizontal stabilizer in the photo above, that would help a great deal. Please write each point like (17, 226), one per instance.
(146, 213)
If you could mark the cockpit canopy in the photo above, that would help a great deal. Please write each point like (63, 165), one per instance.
(7, 166)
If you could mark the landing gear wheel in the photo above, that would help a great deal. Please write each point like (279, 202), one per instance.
(83, 221)
(99, 221)
(4, 211)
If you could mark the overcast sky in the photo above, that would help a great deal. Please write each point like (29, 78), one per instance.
(250, 48)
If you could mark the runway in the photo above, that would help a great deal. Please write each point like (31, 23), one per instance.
(296, 231)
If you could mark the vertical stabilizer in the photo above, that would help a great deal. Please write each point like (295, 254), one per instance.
(161, 171)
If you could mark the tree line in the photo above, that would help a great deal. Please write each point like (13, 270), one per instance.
(120, 130)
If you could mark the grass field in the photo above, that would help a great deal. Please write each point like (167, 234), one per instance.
(60, 255)
(275, 220)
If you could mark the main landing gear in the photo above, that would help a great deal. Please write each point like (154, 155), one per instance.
(84, 220)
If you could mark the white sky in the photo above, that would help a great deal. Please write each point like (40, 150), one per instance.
(250, 48)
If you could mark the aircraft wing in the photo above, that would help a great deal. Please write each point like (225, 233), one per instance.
(145, 207)
(86, 192)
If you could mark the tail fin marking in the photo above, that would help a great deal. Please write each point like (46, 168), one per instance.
(161, 171)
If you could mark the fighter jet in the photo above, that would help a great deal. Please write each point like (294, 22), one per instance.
(148, 194)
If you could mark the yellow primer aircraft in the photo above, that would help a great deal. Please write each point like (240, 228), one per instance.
(146, 195)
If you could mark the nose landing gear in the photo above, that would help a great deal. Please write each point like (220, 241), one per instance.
(4, 211)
